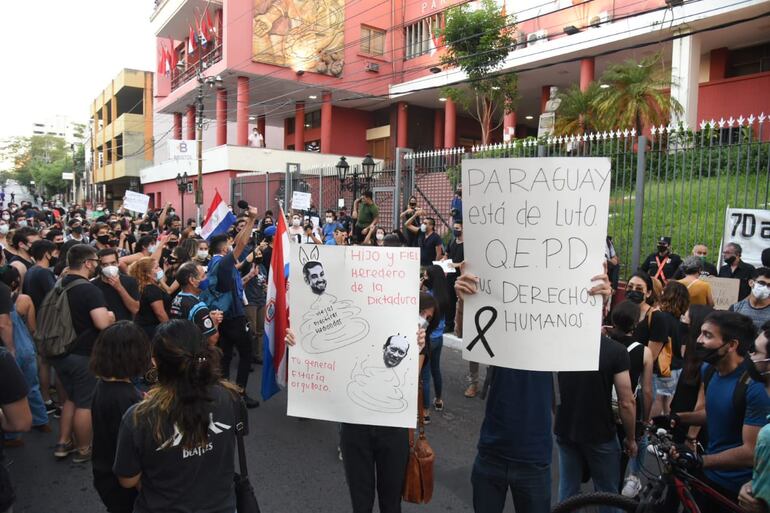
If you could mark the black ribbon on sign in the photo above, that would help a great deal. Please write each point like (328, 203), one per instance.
(482, 331)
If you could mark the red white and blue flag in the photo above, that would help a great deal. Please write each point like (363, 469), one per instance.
(218, 219)
(276, 313)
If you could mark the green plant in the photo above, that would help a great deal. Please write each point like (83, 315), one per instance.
(577, 113)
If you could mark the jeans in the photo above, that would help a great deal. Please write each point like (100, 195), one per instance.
(603, 461)
(433, 369)
(374, 457)
(232, 333)
(28, 364)
(530, 485)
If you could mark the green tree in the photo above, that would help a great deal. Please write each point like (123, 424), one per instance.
(41, 159)
(637, 94)
(478, 39)
(577, 113)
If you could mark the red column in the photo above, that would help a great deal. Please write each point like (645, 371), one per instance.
(450, 124)
(402, 125)
(242, 112)
(326, 122)
(545, 93)
(509, 126)
(587, 67)
(718, 64)
(177, 125)
(261, 129)
(299, 126)
(191, 122)
(438, 129)
(221, 117)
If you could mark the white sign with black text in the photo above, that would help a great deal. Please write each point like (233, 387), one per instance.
(751, 229)
(136, 202)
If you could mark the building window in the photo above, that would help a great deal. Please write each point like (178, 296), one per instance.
(422, 37)
(748, 61)
(289, 125)
(313, 119)
(372, 41)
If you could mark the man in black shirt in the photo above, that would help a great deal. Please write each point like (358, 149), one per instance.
(663, 264)
(734, 268)
(39, 279)
(585, 426)
(15, 416)
(187, 305)
(455, 253)
(429, 242)
(89, 315)
(121, 292)
(22, 242)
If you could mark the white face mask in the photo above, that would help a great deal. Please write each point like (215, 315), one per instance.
(22, 223)
(329, 219)
(110, 271)
(4, 229)
(296, 222)
(760, 291)
(152, 248)
(423, 228)
(203, 254)
(6, 217)
(380, 236)
(159, 274)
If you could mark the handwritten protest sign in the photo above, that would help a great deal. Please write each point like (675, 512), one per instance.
(136, 202)
(535, 232)
(355, 313)
(300, 200)
(724, 290)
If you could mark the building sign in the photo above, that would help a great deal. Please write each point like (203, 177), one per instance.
(182, 149)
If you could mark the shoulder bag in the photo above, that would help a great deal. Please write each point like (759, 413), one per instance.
(418, 483)
(245, 499)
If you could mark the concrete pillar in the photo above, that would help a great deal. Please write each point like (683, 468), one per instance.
(438, 129)
(587, 72)
(242, 112)
(450, 124)
(299, 126)
(261, 129)
(326, 122)
(177, 125)
(190, 122)
(402, 125)
(718, 64)
(221, 117)
(685, 70)
(509, 126)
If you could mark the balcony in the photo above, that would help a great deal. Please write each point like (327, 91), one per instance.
(180, 77)
(172, 18)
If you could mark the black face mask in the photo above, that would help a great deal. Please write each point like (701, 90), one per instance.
(171, 244)
(635, 296)
(662, 249)
(730, 260)
(103, 239)
(711, 356)
(77, 230)
(257, 260)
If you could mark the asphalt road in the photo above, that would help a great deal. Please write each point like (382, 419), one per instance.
(293, 463)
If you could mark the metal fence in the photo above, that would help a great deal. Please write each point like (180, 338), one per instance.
(675, 183)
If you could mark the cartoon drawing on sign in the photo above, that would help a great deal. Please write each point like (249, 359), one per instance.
(378, 388)
(329, 324)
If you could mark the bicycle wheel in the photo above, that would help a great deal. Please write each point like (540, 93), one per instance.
(596, 502)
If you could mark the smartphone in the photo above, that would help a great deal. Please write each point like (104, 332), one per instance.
(423, 324)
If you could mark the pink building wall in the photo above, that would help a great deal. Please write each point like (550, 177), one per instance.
(212, 182)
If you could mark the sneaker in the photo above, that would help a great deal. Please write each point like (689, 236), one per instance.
(250, 402)
(61, 451)
(438, 404)
(631, 487)
(471, 391)
(82, 456)
(53, 409)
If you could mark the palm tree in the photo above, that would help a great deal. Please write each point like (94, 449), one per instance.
(577, 112)
(637, 94)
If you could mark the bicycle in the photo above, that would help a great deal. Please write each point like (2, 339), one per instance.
(668, 492)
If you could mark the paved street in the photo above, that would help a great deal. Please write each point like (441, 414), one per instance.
(293, 463)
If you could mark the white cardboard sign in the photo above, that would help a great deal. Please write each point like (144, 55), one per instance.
(355, 313)
(751, 229)
(300, 200)
(136, 202)
(724, 290)
(534, 231)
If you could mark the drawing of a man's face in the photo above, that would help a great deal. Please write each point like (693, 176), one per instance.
(315, 277)
(395, 350)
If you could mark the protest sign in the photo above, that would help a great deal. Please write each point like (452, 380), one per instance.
(446, 265)
(300, 200)
(136, 202)
(751, 229)
(724, 290)
(534, 231)
(355, 312)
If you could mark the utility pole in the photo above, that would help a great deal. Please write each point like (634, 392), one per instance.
(199, 123)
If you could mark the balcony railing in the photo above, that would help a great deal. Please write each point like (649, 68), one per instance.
(179, 77)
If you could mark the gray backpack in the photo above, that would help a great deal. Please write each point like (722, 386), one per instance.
(55, 333)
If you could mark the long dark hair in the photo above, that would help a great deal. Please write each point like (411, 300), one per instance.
(187, 369)
(692, 364)
(438, 286)
(428, 301)
(647, 279)
(675, 299)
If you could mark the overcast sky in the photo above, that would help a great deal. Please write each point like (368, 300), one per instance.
(59, 55)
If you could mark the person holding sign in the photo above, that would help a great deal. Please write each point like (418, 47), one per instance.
(736, 268)
(757, 305)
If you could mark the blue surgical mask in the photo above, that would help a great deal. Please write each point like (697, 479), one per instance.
(159, 274)
(204, 284)
(152, 248)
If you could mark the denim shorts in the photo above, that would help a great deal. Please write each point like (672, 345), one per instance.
(666, 386)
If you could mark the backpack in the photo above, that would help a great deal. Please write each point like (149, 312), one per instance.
(665, 355)
(213, 298)
(55, 334)
(739, 394)
(615, 406)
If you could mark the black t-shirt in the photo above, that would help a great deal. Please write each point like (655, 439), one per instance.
(179, 480)
(111, 400)
(635, 356)
(585, 413)
(150, 294)
(17, 258)
(650, 264)
(428, 244)
(114, 302)
(456, 252)
(83, 298)
(187, 306)
(38, 282)
(13, 386)
(6, 302)
(659, 326)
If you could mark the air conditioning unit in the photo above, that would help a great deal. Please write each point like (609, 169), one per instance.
(599, 19)
(521, 40)
(536, 37)
(372, 66)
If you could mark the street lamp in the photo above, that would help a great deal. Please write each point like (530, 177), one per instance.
(353, 182)
(181, 184)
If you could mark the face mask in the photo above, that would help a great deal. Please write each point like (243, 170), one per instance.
(702, 259)
(103, 239)
(295, 222)
(171, 212)
(151, 249)
(380, 236)
(760, 291)
(635, 296)
(204, 284)
(172, 244)
(711, 356)
(258, 260)
(423, 228)
(6, 217)
(329, 219)
(23, 223)
(662, 248)
(159, 274)
(4, 229)
(423, 323)
(731, 260)
(457, 233)
(203, 254)
(77, 230)
(110, 271)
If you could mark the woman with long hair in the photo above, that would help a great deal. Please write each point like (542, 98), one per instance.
(177, 446)
(435, 283)
(154, 303)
